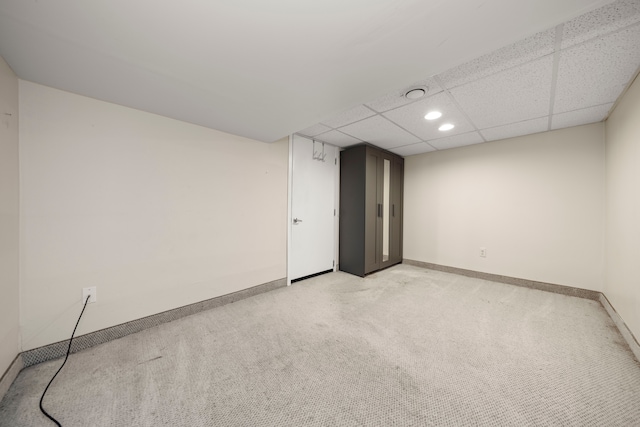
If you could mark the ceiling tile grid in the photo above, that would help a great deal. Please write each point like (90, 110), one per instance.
(580, 117)
(397, 99)
(352, 115)
(511, 130)
(411, 117)
(517, 94)
(602, 21)
(303, 74)
(457, 141)
(337, 138)
(519, 53)
(568, 75)
(314, 130)
(413, 149)
(381, 132)
(597, 71)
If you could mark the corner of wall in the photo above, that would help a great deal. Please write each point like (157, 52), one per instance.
(622, 156)
(9, 219)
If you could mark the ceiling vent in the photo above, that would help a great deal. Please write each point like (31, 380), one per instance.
(416, 92)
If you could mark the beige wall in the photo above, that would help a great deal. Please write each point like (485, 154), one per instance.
(9, 215)
(155, 212)
(536, 203)
(623, 208)
(159, 213)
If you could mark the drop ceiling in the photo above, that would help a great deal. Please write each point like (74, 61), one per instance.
(567, 75)
(331, 69)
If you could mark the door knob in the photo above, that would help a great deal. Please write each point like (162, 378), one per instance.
(296, 220)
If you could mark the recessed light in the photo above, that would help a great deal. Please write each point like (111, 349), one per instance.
(432, 115)
(446, 126)
(415, 93)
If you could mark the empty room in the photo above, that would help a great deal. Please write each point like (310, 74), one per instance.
(336, 213)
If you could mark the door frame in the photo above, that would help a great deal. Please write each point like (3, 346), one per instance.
(336, 202)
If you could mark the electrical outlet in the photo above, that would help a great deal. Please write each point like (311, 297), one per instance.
(92, 291)
(483, 252)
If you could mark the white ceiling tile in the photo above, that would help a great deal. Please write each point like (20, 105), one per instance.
(353, 115)
(314, 130)
(457, 141)
(410, 150)
(599, 22)
(253, 81)
(507, 92)
(514, 95)
(596, 72)
(396, 99)
(411, 117)
(516, 129)
(580, 117)
(531, 48)
(337, 138)
(380, 132)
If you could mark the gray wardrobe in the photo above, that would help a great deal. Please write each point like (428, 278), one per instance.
(371, 182)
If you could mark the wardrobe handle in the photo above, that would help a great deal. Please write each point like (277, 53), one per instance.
(379, 210)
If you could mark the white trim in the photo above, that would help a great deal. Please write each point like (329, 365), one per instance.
(336, 223)
(289, 194)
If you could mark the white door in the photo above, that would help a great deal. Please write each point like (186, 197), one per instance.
(313, 186)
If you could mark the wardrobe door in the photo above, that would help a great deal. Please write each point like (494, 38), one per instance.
(385, 189)
(397, 178)
(352, 210)
(372, 220)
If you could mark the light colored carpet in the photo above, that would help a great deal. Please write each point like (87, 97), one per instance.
(402, 347)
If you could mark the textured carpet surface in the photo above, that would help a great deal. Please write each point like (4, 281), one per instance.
(403, 347)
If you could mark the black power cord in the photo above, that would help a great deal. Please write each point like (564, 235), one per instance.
(61, 366)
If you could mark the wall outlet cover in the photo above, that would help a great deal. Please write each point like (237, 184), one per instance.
(91, 291)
